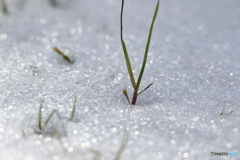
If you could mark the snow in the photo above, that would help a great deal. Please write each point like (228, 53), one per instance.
(193, 59)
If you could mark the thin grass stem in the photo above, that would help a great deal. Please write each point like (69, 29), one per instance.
(147, 47)
(61, 53)
(134, 97)
(128, 63)
(73, 109)
(123, 146)
(50, 116)
(145, 88)
(40, 116)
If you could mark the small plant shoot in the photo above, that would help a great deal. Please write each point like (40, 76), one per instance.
(63, 55)
(40, 127)
(136, 84)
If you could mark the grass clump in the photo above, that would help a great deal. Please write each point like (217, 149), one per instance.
(4, 7)
(63, 55)
(136, 84)
(40, 121)
(40, 125)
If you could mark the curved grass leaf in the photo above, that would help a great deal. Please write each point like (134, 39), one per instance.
(50, 116)
(40, 115)
(145, 88)
(147, 47)
(128, 63)
(126, 95)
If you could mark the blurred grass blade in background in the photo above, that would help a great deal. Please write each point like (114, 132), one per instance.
(4, 7)
(123, 145)
(64, 56)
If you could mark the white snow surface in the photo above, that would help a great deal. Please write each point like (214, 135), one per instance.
(194, 60)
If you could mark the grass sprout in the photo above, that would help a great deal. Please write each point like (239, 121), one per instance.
(63, 55)
(40, 126)
(73, 109)
(123, 146)
(136, 84)
(222, 113)
(4, 7)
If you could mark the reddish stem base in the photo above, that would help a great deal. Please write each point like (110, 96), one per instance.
(134, 98)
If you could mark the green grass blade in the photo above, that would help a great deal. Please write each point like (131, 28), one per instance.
(64, 56)
(126, 95)
(147, 47)
(73, 109)
(145, 88)
(123, 146)
(50, 116)
(128, 63)
(40, 116)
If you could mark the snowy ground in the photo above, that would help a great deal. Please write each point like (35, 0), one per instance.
(194, 59)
